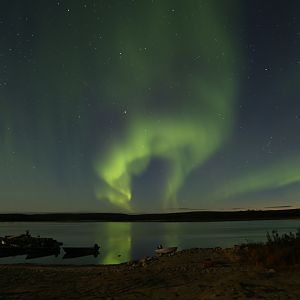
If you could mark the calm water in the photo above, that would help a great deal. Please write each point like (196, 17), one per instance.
(121, 242)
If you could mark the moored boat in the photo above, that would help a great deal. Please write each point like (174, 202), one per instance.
(165, 250)
(27, 244)
(7, 251)
(71, 252)
(42, 252)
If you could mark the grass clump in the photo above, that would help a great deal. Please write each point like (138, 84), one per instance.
(279, 251)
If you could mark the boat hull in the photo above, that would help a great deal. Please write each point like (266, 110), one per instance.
(26, 244)
(72, 252)
(11, 251)
(42, 252)
(168, 250)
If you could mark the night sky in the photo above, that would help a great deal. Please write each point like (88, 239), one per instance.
(149, 105)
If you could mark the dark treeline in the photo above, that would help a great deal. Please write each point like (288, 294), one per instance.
(201, 216)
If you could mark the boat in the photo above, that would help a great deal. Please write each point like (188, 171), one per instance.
(7, 251)
(26, 244)
(42, 252)
(165, 250)
(72, 252)
(28, 241)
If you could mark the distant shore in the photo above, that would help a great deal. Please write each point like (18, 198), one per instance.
(195, 216)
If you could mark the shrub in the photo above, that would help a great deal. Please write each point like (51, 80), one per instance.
(279, 251)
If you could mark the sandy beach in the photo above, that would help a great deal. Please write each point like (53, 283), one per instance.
(188, 274)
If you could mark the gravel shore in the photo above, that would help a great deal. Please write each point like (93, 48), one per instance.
(189, 274)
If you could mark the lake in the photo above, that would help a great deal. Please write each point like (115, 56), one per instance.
(123, 241)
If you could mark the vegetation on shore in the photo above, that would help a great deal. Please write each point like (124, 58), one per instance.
(279, 251)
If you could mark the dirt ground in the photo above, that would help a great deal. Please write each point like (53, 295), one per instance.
(189, 274)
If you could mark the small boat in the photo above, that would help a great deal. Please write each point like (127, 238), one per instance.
(42, 252)
(7, 251)
(166, 250)
(28, 241)
(72, 252)
(27, 244)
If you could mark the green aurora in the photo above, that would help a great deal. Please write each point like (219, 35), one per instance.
(148, 105)
(195, 116)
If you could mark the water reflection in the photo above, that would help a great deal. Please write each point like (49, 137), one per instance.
(121, 242)
(116, 242)
(172, 231)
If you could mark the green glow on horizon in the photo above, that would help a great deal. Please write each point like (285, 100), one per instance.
(278, 175)
(194, 124)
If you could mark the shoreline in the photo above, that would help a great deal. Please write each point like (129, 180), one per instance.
(198, 273)
(195, 216)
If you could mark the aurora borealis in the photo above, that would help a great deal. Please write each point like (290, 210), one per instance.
(149, 105)
(184, 135)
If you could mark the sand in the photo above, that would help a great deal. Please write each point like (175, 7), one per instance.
(189, 274)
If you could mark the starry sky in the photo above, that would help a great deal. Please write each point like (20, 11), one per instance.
(149, 105)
